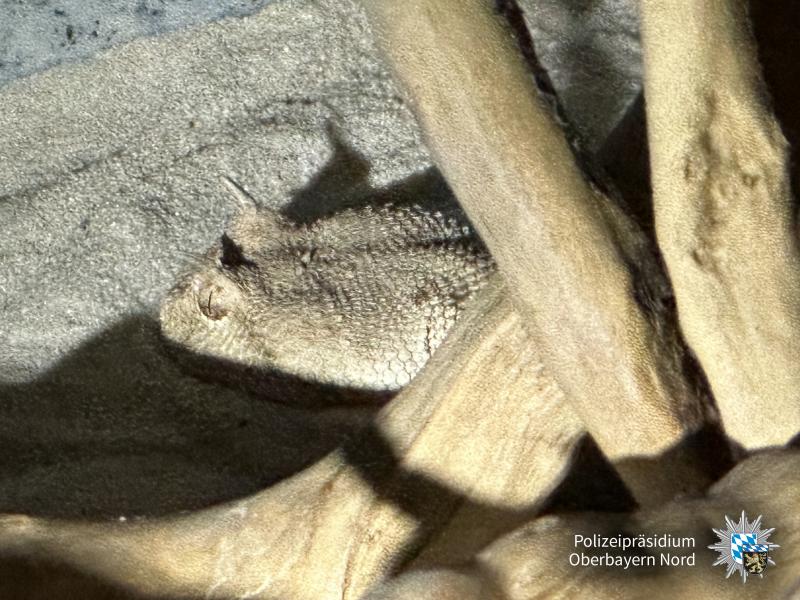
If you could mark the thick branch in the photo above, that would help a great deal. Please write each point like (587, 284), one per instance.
(724, 215)
(581, 275)
(482, 428)
(515, 568)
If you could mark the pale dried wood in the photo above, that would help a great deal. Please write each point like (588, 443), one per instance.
(725, 218)
(581, 274)
(483, 426)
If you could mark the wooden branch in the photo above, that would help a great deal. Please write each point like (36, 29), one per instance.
(724, 214)
(581, 275)
(533, 561)
(483, 426)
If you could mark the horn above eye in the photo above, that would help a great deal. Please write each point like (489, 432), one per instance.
(243, 200)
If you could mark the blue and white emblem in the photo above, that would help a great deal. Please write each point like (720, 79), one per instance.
(744, 547)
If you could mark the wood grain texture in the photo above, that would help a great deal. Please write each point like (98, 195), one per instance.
(725, 217)
(582, 275)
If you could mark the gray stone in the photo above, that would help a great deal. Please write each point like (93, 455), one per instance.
(39, 34)
(109, 185)
(591, 51)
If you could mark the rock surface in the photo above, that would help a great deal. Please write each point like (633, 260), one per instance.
(591, 52)
(108, 184)
(38, 35)
(109, 174)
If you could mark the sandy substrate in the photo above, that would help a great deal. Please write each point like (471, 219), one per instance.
(109, 178)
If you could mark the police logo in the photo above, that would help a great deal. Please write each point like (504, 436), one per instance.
(755, 561)
(744, 547)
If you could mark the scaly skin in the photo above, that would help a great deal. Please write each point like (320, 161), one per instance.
(359, 299)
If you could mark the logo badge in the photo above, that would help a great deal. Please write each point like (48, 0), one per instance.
(744, 547)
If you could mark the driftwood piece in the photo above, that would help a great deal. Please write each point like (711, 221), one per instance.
(484, 431)
(725, 218)
(582, 275)
(483, 428)
(533, 560)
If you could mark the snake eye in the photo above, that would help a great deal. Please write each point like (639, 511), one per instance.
(231, 255)
(212, 302)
